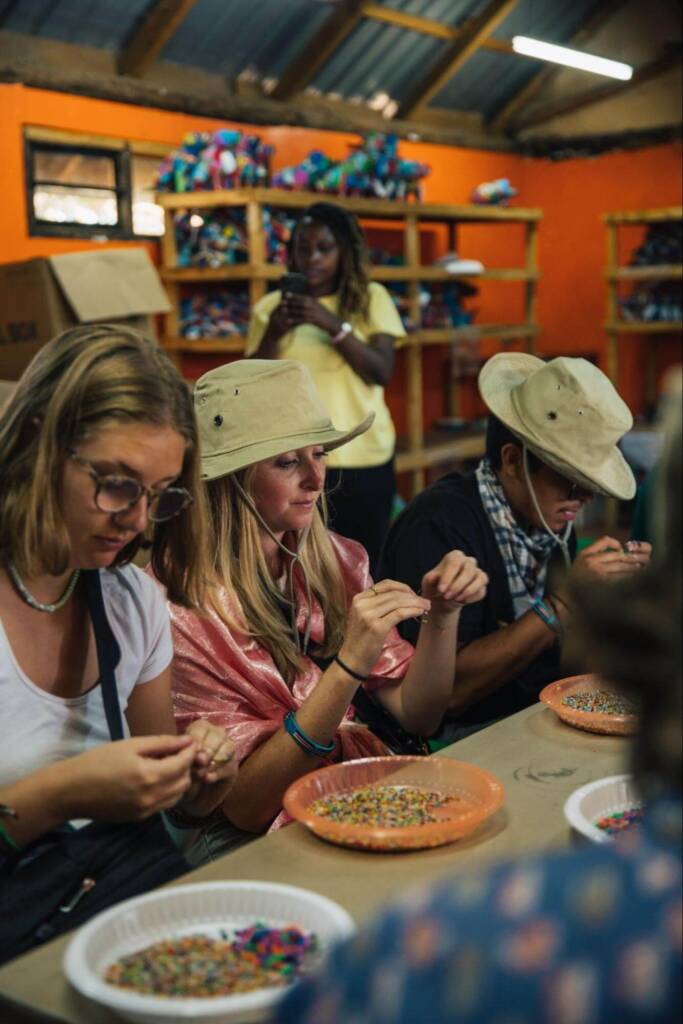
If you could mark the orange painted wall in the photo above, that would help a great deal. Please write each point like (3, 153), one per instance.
(572, 250)
(572, 194)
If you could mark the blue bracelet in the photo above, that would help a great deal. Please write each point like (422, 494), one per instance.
(546, 616)
(305, 742)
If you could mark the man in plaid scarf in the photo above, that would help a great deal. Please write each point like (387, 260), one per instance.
(551, 446)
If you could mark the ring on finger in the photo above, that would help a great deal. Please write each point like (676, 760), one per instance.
(374, 589)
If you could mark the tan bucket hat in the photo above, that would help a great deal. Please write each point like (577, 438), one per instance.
(255, 409)
(566, 412)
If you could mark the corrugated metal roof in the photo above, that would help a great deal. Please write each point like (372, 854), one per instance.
(489, 79)
(554, 21)
(450, 12)
(100, 23)
(377, 57)
(264, 36)
(233, 36)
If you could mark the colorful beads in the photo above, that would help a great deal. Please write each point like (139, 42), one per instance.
(603, 702)
(620, 820)
(197, 966)
(384, 806)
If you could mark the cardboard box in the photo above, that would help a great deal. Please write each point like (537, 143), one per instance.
(41, 297)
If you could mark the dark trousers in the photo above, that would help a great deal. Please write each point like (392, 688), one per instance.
(359, 503)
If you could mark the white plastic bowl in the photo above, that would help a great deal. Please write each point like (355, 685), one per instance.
(597, 800)
(186, 909)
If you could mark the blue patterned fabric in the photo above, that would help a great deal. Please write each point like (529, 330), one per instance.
(589, 936)
(525, 553)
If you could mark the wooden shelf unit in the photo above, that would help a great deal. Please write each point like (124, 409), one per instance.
(615, 273)
(417, 454)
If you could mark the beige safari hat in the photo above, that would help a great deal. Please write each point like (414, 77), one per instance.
(566, 412)
(255, 409)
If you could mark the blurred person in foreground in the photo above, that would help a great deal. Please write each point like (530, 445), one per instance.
(586, 935)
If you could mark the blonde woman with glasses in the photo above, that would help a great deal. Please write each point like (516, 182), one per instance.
(98, 442)
(297, 625)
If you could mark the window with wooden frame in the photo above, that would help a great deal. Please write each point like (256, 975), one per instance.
(84, 186)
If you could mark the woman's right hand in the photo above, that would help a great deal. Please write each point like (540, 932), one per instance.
(128, 780)
(280, 320)
(372, 614)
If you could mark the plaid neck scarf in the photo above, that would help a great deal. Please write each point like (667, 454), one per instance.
(525, 553)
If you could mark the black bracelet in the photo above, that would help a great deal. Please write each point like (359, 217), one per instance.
(354, 675)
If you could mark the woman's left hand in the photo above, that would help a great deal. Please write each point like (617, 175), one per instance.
(304, 309)
(214, 769)
(456, 581)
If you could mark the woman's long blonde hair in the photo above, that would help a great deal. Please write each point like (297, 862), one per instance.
(255, 602)
(82, 380)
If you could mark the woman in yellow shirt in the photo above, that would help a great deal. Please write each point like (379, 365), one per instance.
(344, 331)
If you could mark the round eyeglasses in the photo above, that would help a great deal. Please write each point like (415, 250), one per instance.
(115, 494)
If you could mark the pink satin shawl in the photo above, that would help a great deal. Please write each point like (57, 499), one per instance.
(231, 680)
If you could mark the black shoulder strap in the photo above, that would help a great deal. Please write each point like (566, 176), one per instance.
(108, 652)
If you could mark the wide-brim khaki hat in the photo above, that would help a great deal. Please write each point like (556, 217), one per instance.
(255, 409)
(567, 412)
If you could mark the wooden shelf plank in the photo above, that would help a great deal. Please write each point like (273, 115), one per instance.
(380, 208)
(471, 332)
(664, 271)
(234, 344)
(230, 272)
(426, 336)
(653, 327)
(405, 273)
(664, 213)
(469, 446)
(273, 271)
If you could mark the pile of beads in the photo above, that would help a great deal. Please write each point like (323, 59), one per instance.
(372, 168)
(604, 702)
(197, 966)
(224, 159)
(383, 806)
(617, 822)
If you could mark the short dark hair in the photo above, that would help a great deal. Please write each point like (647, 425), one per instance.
(498, 435)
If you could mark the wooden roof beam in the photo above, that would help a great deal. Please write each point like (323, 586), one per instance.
(576, 101)
(318, 50)
(465, 44)
(412, 22)
(504, 117)
(147, 41)
(429, 27)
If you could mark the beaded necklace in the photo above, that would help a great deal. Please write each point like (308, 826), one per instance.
(26, 596)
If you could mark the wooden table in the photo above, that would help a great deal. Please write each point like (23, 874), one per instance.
(537, 758)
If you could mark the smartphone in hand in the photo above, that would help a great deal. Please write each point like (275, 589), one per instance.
(294, 284)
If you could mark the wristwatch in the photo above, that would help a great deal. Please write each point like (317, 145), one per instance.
(342, 333)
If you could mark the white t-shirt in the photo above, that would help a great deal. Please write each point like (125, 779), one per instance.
(38, 728)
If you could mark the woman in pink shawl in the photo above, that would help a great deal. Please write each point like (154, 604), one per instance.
(296, 622)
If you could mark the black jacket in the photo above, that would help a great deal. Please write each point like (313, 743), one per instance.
(446, 516)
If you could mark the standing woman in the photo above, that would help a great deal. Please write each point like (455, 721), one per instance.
(344, 331)
(97, 440)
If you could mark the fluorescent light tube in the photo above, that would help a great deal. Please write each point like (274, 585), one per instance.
(571, 58)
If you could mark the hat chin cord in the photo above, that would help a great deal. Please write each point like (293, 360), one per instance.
(560, 539)
(295, 556)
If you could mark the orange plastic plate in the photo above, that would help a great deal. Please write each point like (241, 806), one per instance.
(593, 721)
(475, 795)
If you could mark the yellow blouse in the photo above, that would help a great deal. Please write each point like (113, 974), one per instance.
(346, 396)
